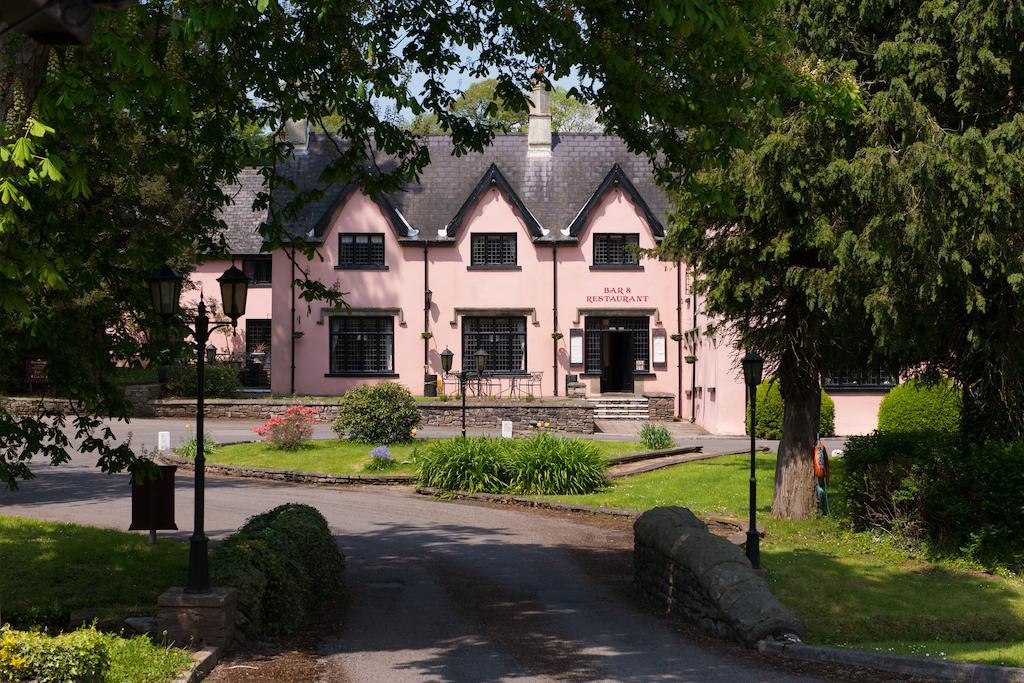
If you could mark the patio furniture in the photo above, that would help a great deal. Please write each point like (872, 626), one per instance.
(529, 385)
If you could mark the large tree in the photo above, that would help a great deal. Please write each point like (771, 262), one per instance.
(113, 155)
(876, 220)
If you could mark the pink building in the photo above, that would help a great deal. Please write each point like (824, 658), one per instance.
(526, 250)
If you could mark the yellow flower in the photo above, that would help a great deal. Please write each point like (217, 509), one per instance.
(414, 431)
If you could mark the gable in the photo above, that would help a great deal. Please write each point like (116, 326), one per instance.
(493, 178)
(616, 179)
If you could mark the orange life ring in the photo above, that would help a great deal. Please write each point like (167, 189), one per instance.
(821, 468)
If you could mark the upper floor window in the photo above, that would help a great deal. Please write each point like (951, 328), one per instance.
(613, 249)
(257, 269)
(360, 251)
(493, 250)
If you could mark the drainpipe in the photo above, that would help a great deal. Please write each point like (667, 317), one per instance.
(426, 308)
(292, 389)
(554, 310)
(693, 368)
(679, 344)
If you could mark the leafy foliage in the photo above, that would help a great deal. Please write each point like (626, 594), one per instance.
(541, 464)
(290, 431)
(921, 488)
(283, 562)
(76, 656)
(915, 406)
(187, 449)
(221, 380)
(655, 437)
(380, 459)
(771, 408)
(383, 413)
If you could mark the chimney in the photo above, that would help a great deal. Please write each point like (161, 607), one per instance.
(297, 133)
(538, 135)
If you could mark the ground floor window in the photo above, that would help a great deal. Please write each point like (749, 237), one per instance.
(504, 339)
(362, 345)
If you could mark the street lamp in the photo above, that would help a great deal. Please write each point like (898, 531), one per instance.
(753, 368)
(480, 357)
(165, 288)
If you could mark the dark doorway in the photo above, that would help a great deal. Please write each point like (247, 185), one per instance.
(617, 362)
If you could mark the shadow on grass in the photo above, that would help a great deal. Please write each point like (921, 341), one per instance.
(858, 597)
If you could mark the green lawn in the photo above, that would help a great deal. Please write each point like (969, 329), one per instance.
(49, 570)
(334, 456)
(850, 589)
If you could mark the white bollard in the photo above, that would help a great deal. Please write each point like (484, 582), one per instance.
(837, 453)
(506, 429)
(163, 441)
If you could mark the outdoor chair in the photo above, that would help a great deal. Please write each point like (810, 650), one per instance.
(530, 385)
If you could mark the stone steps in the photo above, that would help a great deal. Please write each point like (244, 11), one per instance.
(620, 408)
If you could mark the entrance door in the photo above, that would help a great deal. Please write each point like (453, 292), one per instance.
(617, 362)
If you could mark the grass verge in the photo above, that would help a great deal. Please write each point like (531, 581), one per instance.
(334, 456)
(51, 569)
(849, 589)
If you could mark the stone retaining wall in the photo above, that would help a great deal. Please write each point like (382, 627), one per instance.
(705, 579)
(141, 396)
(661, 406)
(291, 475)
(570, 416)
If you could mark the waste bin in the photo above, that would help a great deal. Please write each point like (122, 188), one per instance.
(429, 385)
(570, 379)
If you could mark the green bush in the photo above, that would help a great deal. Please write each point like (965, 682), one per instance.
(221, 380)
(467, 464)
(377, 414)
(283, 562)
(655, 437)
(187, 450)
(539, 465)
(544, 465)
(76, 656)
(918, 407)
(922, 487)
(770, 412)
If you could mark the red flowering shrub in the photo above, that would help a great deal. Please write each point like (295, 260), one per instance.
(289, 431)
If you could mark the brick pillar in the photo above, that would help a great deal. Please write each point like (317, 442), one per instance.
(197, 619)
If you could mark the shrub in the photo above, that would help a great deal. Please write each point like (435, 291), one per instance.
(289, 431)
(221, 380)
(76, 656)
(915, 406)
(380, 460)
(922, 487)
(283, 562)
(187, 450)
(377, 414)
(655, 437)
(770, 412)
(476, 463)
(545, 465)
(539, 465)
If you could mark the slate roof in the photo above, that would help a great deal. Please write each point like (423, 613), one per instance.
(555, 192)
(242, 232)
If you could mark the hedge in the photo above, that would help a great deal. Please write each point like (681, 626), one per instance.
(924, 488)
(283, 562)
(770, 412)
(918, 407)
(378, 414)
(76, 656)
(221, 380)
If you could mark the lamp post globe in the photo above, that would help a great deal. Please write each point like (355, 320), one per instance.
(481, 357)
(753, 368)
(446, 360)
(234, 289)
(165, 291)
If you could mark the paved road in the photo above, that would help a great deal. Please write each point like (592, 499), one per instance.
(442, 591)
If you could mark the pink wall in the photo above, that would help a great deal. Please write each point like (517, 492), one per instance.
(856, 412)
(258, 303)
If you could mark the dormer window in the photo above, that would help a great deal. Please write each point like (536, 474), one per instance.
(361, 251)
(616, 250)
(493, 250)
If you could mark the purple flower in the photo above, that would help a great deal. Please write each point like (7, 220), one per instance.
(381, 453)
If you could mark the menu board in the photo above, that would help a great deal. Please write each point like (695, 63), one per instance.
(576, 346)
(658, 350)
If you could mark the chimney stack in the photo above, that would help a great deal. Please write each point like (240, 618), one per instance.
(538, 133)
(297, 133)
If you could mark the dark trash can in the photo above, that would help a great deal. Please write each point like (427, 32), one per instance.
(430, 385)
(570, 379)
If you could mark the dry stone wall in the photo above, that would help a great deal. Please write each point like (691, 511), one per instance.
(705, 579)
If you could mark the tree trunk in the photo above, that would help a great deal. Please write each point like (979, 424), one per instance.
(22, 68)
(794, 469)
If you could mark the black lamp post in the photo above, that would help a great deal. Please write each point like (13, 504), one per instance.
(753, 368)
(165, 288)
(480, 357)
